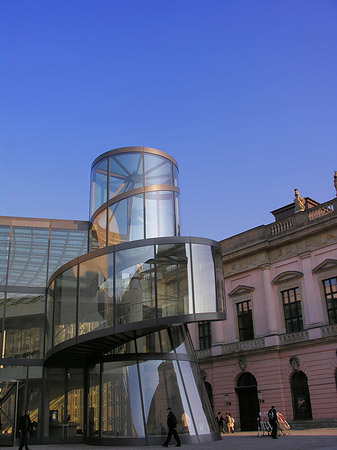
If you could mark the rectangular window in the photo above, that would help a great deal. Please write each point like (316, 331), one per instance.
(330, 290)
(292, 310)
(245, 320)
(205, 335)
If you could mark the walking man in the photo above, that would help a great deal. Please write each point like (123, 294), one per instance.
(172, 425)
(25, 425)
(272, 417)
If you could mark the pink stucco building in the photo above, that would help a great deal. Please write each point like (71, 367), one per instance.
(279, 343)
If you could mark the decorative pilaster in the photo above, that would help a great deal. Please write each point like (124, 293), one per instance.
(271, 307)
(314, 313)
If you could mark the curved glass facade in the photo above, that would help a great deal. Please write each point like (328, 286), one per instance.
(134, 195)
(132, 285)
(129, 390)
(120, 312)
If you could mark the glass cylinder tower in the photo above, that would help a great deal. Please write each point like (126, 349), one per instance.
(121, 311)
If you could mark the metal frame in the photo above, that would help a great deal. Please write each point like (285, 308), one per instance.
(134, 150)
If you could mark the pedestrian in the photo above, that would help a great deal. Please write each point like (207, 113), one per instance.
(25, 425)
(272, 417)
(172, 425)
(230, 422)
(220, 421)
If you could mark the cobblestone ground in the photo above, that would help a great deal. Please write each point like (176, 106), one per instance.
(316, 439)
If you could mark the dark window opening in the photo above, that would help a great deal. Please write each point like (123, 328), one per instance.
(245, 320)
(330, 291)
(292, 310)
(205, 335)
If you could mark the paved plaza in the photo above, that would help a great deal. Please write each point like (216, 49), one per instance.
(315, 439)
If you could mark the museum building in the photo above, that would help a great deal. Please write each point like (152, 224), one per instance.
(278, 345)
(94, 330)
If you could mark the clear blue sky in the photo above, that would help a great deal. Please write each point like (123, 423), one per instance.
(242, 93)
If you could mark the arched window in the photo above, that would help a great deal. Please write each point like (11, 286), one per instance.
(247, 379)
(301, 396)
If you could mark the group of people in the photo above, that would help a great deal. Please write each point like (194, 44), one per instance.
(228, 421)
(269, 421)
(26, 425)
(172, 426)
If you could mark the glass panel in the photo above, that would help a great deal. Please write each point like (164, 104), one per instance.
(126, 173)
(75, 402)
(95, 308)
(126, 220)
(24, 321)
(65, 306)
(149, 343)
(158, 342)
(220, 281)
(4, 246)
(173, 280)
(121, 409)
(181, 340)
(94, 401)
(98, 188)
(198, 397)
(176, 175)
(159, 213)
(158, 170)
(97, 233)
(162, 387)
(49, 317)
(165, 342)
(55, 401)
(66, 245)
(135, 289)
(203, 278)
(34, 389)
(187, 425)
(28, 257)
(8, 392)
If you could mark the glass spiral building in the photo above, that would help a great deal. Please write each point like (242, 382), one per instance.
(115, 346)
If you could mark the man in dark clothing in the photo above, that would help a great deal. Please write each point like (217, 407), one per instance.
(172, 425)
(25, 425)
(272, 417)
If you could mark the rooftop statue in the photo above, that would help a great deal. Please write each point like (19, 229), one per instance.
(335, 181)
(299, 202)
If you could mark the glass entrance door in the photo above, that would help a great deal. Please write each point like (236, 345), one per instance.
(8, 403)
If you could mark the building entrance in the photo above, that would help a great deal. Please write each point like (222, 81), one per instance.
(64, 400)
(8, 408)
(248, 402)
